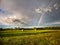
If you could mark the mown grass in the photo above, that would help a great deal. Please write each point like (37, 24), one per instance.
(30, 37)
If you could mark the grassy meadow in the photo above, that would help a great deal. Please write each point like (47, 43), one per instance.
(30, 37)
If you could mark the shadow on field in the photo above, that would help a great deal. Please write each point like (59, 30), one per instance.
(22, 34)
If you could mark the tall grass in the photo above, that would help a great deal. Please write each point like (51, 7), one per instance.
(50, 38)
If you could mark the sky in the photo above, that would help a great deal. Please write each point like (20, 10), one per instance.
(29, 13)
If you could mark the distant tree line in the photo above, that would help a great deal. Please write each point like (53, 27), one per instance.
(43, 28)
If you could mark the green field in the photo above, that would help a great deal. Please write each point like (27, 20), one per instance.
(30, 37)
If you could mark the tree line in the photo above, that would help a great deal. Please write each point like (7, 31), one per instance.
(42, 28)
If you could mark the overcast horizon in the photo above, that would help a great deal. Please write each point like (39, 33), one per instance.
(29, 13)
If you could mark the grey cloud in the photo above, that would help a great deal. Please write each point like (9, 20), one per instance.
(26, 8)
(53, 16)
(19, 21)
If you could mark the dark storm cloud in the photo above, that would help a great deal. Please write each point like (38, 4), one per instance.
(19, 21)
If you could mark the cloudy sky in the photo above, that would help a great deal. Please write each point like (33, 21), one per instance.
(29, 13)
